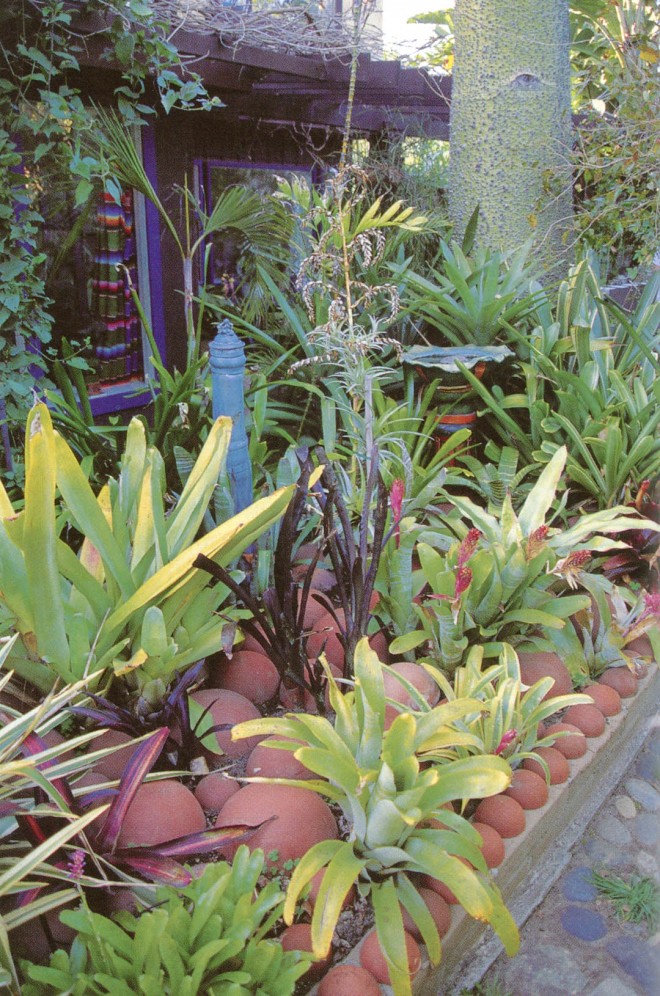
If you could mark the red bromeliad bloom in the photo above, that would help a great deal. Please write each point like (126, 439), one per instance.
(570, 567)
(461, 585)
(506, 741)
(536, 541)
(467, 547)
(397, 494)
(463, 581)
(651, 604)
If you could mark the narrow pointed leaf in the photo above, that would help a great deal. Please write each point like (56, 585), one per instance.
(139, 765)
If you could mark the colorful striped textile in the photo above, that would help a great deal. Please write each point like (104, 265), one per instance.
(117, 345)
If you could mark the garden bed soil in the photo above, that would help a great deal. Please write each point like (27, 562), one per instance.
(535, 859)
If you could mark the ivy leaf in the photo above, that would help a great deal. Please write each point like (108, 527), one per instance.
(83, 191)
(168, 99)
(41, 150)
(124, 48)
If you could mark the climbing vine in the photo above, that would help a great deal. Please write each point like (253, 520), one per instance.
(42, 142)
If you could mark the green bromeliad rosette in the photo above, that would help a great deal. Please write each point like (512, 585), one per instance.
(508, 574)
(374, 775)
(130, 602)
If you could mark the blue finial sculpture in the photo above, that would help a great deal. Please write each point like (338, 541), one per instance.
(227, 357)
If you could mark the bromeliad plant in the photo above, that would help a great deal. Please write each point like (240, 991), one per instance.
(507, 574)
(508, 721)
(209, 937)
(375, 776)
(603, 637)
(471, 300)
(130, 603)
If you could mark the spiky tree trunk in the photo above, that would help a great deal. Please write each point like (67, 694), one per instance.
(510, 131)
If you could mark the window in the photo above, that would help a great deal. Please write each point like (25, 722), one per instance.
(229, 267)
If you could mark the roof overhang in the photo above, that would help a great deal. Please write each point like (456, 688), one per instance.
(270, 85)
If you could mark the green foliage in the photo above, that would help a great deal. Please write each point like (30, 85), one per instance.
(209, 937)
(375, 776)
(634, 901)
(615, 58)
(603, 372)
(589, 374)
(131, 602)
(470, 299)
(508, 574)
(45, 121)
(409, 449)
(508, 722)
(493, 481)
(24, 317)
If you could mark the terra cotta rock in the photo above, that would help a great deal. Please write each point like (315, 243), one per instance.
(294, 820)
(160, 811)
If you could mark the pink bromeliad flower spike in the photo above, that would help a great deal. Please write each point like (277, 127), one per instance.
(397, 494)
(467, 547)
(506, 741)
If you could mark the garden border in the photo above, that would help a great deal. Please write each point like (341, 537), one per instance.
(535, 859)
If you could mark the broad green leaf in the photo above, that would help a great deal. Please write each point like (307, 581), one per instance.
(312, 862)
(328, 764)
(15, 584)
(89, 516)
(466, 885)
(409, 641)
(84, 583)
(539, 500)
(389, 925)
(341, 873)
(471, 778)
(185, 520)
(419, 911)
(224, 544)
(40, 539)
